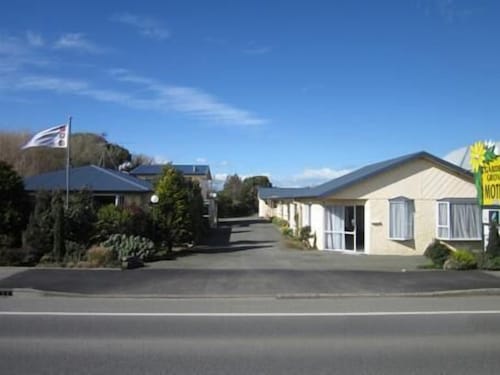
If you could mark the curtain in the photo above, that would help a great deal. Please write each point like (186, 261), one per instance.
(465, 220)
(334, 228)
(401, 219)
(443, 225)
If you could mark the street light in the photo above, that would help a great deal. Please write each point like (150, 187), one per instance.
(154, 201)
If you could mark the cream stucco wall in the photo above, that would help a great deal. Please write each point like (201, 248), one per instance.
(420, 180)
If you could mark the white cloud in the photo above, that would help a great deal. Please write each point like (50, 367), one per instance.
(190, 100)
(224, 163)
(201, 160)
(146, 26)
(160, 159)
(320, 174)
(153, 96)
(77, 42)
(254, 48)
(34, 39)
(257, 50)
(17, 52)
(220, 177)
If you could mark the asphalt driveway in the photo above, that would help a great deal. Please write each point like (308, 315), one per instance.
(246, 257)
(255, 244)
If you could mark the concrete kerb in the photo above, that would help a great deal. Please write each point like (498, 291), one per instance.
(26, 292)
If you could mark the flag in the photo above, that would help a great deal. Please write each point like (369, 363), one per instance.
(56, 137)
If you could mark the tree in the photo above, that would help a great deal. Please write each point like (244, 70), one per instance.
(80, 218)
(250, 191)
(493, 247)
(239, 198)
(13, 206)
(173, 207)
(58, 230)
(196, 205)
(86, 149)
(39, 232)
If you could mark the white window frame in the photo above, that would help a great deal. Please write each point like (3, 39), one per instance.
(447, 204)
(411, 209)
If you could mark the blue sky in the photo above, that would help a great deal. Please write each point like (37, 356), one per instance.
(298, 90)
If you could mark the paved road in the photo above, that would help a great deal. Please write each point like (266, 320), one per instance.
(425, 338)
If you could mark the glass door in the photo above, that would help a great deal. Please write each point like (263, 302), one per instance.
(345, 228)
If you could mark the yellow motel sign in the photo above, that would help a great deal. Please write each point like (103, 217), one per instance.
(490, 182)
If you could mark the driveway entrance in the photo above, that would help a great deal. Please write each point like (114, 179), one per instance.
(253, 243)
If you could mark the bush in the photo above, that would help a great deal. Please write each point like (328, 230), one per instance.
(460, 260)
(14, 207)
(16, 257)
(279, 222)
(39, 232)
(437, 252)
(287, 232)
(305, 233)
(124, 246)
(99, 256)
(493, 248)
(80, 218)
(484, 261)
(111, 220)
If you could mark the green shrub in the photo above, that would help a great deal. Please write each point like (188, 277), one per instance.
(305, 233)
(39, 232)
(80, 218)
(493, 247)
(437, 252)
(279, 222)
(490, 263)
(460, 260)
(287, 232)
(112, 220)
(99, 256)
(125, 246)
(16, 257)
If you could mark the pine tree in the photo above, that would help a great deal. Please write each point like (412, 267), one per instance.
(173, 207)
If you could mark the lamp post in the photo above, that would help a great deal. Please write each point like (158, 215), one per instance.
(154, 201)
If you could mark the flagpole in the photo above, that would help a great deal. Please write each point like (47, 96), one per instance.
(68, 150)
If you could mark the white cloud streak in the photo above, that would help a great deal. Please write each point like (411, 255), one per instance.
(164, 98)
(77, 42)
(34, 39)
(320, 174)
(190, 100)
(146, 26)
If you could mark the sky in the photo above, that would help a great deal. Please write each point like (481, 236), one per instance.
(300, 91)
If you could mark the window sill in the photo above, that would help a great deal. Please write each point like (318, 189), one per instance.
(459, 239)
(401, 239)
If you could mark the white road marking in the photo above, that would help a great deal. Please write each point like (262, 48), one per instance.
(250, 315)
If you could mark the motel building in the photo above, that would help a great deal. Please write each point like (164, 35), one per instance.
(394, 207)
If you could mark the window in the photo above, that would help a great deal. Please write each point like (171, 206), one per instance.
(458, 220)
(401, 212)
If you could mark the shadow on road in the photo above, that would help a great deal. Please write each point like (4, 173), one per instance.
(219, 240)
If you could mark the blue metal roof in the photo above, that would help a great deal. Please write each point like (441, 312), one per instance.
(186, 169)
(355, 177)
(90, 177)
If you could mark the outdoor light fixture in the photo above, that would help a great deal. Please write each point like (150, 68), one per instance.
(154, 199)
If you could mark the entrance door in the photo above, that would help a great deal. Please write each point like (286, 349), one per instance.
(345, 228)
